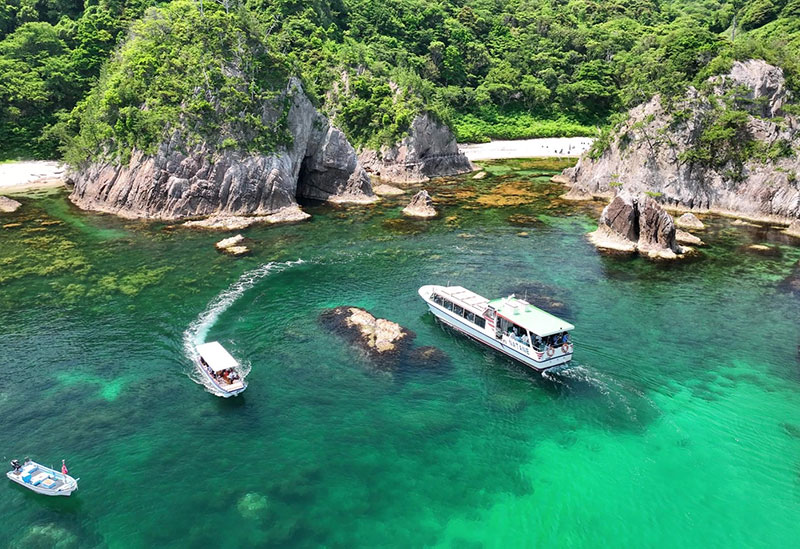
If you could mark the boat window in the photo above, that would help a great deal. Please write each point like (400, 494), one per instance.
(448, 305)
(458, 310)
(480, 321)
(469, 315)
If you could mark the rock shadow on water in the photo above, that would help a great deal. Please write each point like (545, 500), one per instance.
(386, 344)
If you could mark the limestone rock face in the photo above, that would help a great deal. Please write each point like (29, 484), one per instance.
(185, 181)
(689, 221)
(429, 150)
(648, 152)
(8, 205)
(420, 206)
(636, 224)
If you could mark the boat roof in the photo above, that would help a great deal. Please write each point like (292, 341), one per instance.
(532, 318)
(216, 356)
(466, 298)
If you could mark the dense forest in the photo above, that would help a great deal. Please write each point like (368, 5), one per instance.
(489, 68)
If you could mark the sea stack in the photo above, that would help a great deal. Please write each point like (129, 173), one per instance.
(420, 206)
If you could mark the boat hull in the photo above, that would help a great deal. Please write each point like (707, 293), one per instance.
(223, 392)
(559, 357)
(69, 486)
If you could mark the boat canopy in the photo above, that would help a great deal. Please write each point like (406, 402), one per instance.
(216, 356)
(463, 297)
(533, 319)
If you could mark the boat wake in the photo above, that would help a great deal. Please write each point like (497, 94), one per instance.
(198, 330)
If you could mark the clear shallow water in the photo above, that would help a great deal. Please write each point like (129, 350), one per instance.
(679, 425)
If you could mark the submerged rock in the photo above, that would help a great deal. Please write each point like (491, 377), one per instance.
(233, 245)
(429, 150)
(8, 205)
(552, 299)
(637, 224)
(682, 237)
(480, 175)
(794, 228)
(181, 180)
(253, 506)
(420, 206)
(689, 221)
(387, 190)
(762, 249)
(654, 150)
(237, 222)
(377, 336)
(792, 284)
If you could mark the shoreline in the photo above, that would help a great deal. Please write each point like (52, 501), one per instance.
(30, 175)
(545, 147)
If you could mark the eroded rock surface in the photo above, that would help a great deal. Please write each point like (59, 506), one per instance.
(420, 206)
(388, 190)
(655, 150)
(8, 205)
(637, 224)
(689, 221)
(429, 150)
(794, 228)
(181, 181)
(377, 336)
(233, 245)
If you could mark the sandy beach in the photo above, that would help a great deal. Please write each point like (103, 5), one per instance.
(30, 174)
(527, 148)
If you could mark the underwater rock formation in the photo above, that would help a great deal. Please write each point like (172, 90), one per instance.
(8, 205)
(377, 336)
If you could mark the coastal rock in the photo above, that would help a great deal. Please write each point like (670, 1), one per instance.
(236, 223)
(794, 228)
(233, 245)
(8, 205)
(689, 221)
(560, 178)
(480, 175)
(377, 336)
(766, 251)
(656, 150)
(181, 180)
(636, 224)
(429, 150)
(387, 190)
(420, 206)
(682, 237)
(792, 284)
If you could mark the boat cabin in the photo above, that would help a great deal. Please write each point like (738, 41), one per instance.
(464, 303)
(517, 320)
(219, 363)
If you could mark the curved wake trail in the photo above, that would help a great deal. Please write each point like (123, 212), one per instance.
(197, 331)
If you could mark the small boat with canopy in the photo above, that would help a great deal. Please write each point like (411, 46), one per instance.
(509, 324)
(221, 369)
(41, 479)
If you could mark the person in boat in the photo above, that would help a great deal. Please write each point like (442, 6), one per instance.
(15, 465)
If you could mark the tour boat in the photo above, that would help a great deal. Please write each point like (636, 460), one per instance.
(509, 324)
(41, 479)
(221, 369)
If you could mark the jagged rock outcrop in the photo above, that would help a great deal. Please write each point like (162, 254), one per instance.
(421, 205)
(182, 180)
(637, 224)
(666, 150)
(8, 205)
(429, 150)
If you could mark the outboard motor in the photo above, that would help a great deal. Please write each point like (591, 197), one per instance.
(15, 465)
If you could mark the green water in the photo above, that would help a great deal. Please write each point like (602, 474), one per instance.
(678, 426)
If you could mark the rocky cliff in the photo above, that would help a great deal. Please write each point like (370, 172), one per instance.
(429, 150)
(729, 147)
(182, 180)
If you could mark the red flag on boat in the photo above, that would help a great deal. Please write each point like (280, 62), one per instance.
(64, 467)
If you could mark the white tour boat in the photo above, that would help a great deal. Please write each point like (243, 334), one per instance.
(41, 479)
(509, 324)
(221, 369)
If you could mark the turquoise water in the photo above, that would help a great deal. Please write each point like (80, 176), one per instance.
(678, 426)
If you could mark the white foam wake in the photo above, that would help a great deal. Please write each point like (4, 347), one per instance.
(198, 330)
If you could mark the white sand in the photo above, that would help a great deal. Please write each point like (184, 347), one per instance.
(527, 148)
(28, 173)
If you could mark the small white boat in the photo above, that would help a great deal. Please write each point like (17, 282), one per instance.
(509, 324)
(41, 479)
(221, 369)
